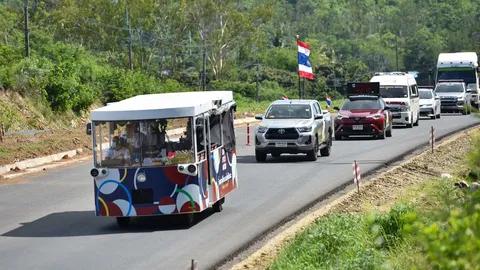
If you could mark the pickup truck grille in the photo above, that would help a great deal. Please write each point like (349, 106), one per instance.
(274, 134)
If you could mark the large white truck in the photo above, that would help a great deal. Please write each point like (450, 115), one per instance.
(460, 66)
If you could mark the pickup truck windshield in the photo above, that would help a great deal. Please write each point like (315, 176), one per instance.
(361, 104)
(289, 111)
(449, 88)
(393, 91)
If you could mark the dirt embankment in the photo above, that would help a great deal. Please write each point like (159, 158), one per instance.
(379, 193)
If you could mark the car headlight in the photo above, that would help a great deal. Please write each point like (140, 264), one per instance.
(460, 98)
(305, 129)
(405, 108)
(375, 116)
(262, 129)
(340, 116)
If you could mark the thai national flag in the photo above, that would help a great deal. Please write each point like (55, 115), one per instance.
(284, 97)
(329, 101)
(304, 66)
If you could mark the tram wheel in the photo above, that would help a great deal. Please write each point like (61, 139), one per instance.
(218, 206)
(123, 222)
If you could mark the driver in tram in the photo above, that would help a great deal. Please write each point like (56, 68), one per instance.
(120, 152)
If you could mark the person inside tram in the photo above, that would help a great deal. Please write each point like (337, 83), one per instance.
(120, 151)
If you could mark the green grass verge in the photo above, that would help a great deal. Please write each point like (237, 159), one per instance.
(439, 230)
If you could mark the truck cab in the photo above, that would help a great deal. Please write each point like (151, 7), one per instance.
(399, 90)
(461, 66)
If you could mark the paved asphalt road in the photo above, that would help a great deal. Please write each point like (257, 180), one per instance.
(48, 221)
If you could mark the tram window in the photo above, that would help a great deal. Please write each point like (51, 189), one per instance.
(215, 130)
(228, 131)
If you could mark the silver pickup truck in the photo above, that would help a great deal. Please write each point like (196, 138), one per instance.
(293, 127)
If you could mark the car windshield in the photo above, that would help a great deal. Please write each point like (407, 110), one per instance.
(393, 91)
(289, 111)
(449, 88)
(362, 104)
(425, 94)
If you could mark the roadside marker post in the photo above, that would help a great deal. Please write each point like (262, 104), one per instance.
(193, 266)
(2, 132)
(356, 174)
(248, 134)
(432, 137)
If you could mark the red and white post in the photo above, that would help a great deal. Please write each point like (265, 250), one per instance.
(248, 134)
(432, 137)
(356, 174)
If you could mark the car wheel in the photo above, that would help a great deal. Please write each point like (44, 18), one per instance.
(260, 156)
(416, 122)
(389, 132)
(381, 136)
(464, 112)
(312, 155)
(325, 152)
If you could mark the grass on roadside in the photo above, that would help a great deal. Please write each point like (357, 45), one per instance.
(399, 239)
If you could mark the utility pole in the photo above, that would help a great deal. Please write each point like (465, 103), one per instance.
(27, 38)
(257, 79)
(396, 50)
(204, 75)
(130, 58)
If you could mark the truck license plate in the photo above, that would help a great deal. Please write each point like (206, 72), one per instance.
(357, 127)
(281, 144)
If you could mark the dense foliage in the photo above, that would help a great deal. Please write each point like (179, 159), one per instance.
(80, 49)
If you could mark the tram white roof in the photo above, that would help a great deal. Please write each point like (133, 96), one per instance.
(157, 106)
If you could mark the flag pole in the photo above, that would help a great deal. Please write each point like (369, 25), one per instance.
(298, 71)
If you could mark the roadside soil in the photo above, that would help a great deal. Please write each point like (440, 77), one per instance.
(16, 147)
(378, 194)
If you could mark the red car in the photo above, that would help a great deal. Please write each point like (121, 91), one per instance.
(363, 115)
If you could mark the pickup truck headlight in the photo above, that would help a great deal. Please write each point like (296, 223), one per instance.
(262, 129)
(405, 108)
(305, 129)
(375, 116)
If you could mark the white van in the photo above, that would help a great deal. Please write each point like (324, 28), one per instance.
(400, 92)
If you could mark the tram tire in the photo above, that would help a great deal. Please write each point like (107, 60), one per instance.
(123, 222)
(218, 206)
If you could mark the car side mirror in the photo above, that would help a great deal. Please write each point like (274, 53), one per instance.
(259, 117)
(336, 108)
(469, 90)
(387, 108)
(437, 98)
(318, 116)
(89, 128)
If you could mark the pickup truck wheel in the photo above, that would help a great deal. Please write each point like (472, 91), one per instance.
(312, 155)
(325, 152)
(260, 156)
